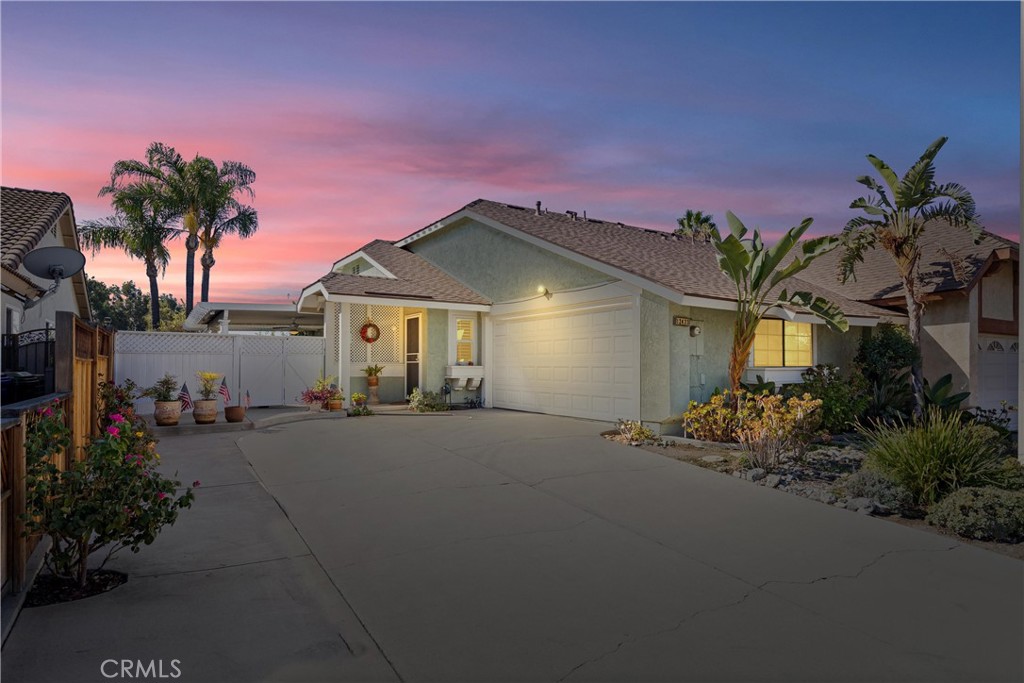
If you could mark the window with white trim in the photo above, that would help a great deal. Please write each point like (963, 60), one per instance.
(464, 341)
(783, 344)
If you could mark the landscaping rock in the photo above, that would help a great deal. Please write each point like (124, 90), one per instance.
(712, 458)
(772, 480)
(864, 505)
(827, 497)
(757, 474)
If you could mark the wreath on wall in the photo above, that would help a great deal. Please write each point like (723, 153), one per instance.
(370, 333)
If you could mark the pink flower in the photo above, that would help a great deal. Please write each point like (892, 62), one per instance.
(161, 495)
(195, 484)
(46, 412)
(113, 431)
(117, 417)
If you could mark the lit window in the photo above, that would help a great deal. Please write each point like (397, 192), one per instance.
(780, 343)
(465, 340)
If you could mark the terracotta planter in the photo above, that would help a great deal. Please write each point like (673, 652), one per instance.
(234, 413)
(372, 381)
(335, 405)
(204, 412)
(167, 413)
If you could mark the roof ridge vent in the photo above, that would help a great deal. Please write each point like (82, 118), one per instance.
(571, 214)
(539, 212)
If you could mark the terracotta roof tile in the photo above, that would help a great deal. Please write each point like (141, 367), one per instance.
(25, 216)
(415, 278)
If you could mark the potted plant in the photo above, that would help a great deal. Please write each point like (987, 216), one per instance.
(319, 395)
(204, 411)
(335, 403)
(358, 399)
(372, 373)
(167, 407)
(234, 413)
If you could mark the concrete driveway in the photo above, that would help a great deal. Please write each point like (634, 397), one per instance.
(490, 545)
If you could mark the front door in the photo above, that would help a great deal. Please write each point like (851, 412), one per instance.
(413, 347)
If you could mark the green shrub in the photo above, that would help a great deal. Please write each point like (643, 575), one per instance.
(770, 426)
(1012, 474)
(941, 394)
(985, 514)
(936, 455)
(426, 401)
(885, 352)
(843, 399)
(635, 431)
(114, 498)
(870, 483)
(715, 420)
(889, 398)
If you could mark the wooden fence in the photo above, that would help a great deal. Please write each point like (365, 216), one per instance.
(84, 359)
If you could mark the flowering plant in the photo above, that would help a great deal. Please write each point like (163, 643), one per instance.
(324, 389)
(358, 398)
(113, 498)
(207, 384)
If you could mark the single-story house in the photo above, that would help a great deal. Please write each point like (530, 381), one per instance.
(30, 219)
(971, 302)
(557, 313)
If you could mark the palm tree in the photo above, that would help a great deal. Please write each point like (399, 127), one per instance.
(755, 271)
(221, 214)
(141, 228)
(183, 184)
(896, 214)
(696, 225)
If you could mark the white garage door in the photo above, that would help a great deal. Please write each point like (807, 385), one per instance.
(997, 370)
(579, 362)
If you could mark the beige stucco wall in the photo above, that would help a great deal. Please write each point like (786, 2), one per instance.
(499, 266)
(655, 357)
(837, 348)
(946, 339)
(997, 293)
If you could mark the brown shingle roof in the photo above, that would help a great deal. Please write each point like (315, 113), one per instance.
(416, 278)
(687, 267)
(25, 216)
(949, 260)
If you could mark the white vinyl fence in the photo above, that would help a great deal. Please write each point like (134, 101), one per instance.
(274, 370)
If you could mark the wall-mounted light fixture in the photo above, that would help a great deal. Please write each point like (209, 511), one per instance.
(543, 291)
(695, 330)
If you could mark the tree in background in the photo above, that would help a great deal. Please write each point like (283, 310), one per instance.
(756, 272)
(696, 226)
(222, 214)
(140, 227)
(895, 218)
(126, 307)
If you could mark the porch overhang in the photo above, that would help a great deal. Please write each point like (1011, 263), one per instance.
(313, 298)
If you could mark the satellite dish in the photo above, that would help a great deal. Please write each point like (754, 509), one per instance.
(54, 263)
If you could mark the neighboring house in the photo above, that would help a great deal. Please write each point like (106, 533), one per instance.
(970, 324)
(30, 219)
(557, 313)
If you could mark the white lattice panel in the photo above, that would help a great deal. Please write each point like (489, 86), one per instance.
(357, 352)
(334, 334)
(388, 347)
(262, 346)
(306, 346)
(172, 342)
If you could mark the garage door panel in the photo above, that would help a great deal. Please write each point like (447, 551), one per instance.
(575, 362)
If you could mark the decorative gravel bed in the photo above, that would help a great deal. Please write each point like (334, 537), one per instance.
(818, 476)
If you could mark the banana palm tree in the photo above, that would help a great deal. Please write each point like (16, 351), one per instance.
(220, 214)
(894, 219)
(141, 227)
(694, 224)
(756, 272)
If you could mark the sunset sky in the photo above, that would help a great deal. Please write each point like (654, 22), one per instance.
(372, 120)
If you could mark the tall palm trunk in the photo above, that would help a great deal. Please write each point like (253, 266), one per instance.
(914, 315)
(154, 293)
(208, 262)
(191, 246)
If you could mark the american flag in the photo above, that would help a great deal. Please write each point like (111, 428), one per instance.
(185, 398)
(248, 399)
(223, 391)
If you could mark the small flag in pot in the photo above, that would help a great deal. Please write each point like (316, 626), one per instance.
(185, 398)
(223, 391)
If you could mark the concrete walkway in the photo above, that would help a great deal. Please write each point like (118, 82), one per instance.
(503, 546)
